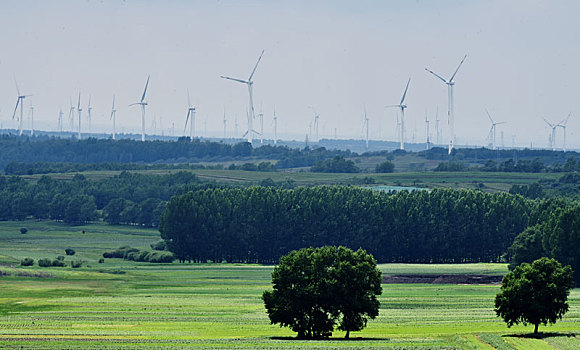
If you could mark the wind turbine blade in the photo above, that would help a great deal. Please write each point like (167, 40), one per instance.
(186, 120)
(490, 133)
(489, 115)
(244, 135)
(550, 124)
(15, 108)
(234, 79)
(145, 91)
(498, 123)
(256, 66)
(17, 89)
(79, 104)
(405, 93)
(390, 106)
(136, 103)
(113, 102)
(435, 74)
(188, 100)
(460, 63)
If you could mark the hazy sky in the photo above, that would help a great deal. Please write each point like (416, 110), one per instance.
(338, 56)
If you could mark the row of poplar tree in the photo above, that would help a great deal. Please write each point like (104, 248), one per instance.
(259, 224)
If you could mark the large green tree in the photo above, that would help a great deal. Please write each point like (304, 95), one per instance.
(535, 293)
(316, 288)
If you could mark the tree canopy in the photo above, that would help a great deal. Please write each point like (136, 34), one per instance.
(314, 289)
(535, 293)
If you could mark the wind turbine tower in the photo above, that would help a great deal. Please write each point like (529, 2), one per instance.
(113, 118)
(71, 116)
(60, 114)
(190, 112)
(492, 130)
(428, 141)
(552, 135)
(402, 106)
(142, 103)
(366, 127)
(89, 109)
(19, 101)
(225, 123)
(562, 124)
(79, 111)
(261, 115)
(31, 115)
(451, 117)
(275, 121)
(437, 128)
(250, 84)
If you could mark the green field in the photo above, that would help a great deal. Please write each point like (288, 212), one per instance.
(485, 181)
(120, 304)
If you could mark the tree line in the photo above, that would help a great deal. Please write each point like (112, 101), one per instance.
(258, 224)
(127, 198)
(27, 149)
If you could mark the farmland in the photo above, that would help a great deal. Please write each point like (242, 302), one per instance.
(121, 304)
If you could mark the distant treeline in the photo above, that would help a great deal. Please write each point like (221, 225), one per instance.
(124, 199)
(258, 224)
(27, 149)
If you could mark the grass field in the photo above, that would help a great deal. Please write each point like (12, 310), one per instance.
(485, 181)
(124, 305)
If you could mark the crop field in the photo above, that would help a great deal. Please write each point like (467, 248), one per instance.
(127, 305)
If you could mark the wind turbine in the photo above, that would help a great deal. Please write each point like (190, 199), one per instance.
(366, 128)
(60, 114)
(19, 101)
(562, 124)
(89, 109)
(79, 110)
(261, 115)
(314, 124)
(275, 121)
(402, 106)
(428, 141)
(71, 115)
(552, 135)
(250, 84)
(450, 113)
(113, 118)
(190, 111)
(492, 129)
(142, 103)
(225, 123)
(31, 116)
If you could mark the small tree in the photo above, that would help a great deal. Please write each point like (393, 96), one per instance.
(316, 288)
(535, 293)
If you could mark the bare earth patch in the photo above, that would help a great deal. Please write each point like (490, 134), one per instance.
(443, 279)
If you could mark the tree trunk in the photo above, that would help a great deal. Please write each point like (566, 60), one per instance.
(536, 329)
(347, 334)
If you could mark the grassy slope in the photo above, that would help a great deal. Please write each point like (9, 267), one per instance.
(218, 305)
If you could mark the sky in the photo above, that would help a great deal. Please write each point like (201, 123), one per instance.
(338, 57)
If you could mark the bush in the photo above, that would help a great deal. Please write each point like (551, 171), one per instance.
(385, 167)
(60, 258)
(27, 262)
(120, 253)
(76, 264)
(101, 261)
(46, 262)
(161, 245)
(134, 254)
(69, 251)
(23, 230)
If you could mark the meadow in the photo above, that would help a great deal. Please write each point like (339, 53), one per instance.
(121, 304)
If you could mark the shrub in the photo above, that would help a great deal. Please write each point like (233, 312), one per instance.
(69, 251)
(101, 261)
(58, 263)
(27, 262)
(76, 264)
(385, 167)
(60, 258)
(45, 262)
(23, 230)
(161, 245)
